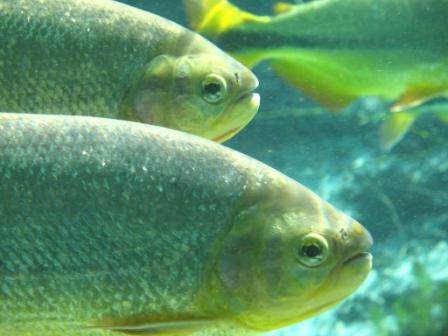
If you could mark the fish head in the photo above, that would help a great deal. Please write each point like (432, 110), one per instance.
(207, 94)
(289, 259)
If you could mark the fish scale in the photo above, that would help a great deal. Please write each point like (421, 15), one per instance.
(113, 62)
(105, 239)
(107, 59)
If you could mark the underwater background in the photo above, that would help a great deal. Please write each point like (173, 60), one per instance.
(401, 196)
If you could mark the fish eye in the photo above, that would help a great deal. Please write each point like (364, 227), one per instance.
(214, 88)
(313, 250)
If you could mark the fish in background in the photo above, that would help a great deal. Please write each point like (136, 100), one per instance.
(397, 124)
(111, 60)
(337, 51)
(110, 227)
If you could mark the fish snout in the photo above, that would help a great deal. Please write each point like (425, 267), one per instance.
(247, 98)
(359, 242)
(243, 105)
(247, 81)
(363, 237)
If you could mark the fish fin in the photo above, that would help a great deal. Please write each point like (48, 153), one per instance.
(417, 95)
(214, 17)
(316, 78)
(394, 128)
(282, 7)
(160, 328)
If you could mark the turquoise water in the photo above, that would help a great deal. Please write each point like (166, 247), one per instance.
(401, 196)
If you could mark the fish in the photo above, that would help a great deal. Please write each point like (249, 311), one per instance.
(112, 227)
(108, 59)
(337, 51)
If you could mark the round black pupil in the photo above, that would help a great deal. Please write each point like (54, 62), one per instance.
(212, 88)
(311, 251)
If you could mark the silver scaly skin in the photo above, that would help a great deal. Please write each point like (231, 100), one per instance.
(107, 59)
(110, 227)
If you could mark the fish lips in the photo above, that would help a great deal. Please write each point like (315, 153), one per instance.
(248, 97)
(358, 259)
(251, 99)
(248, 104)
(359, 247)
(242, 108)
(248, 93)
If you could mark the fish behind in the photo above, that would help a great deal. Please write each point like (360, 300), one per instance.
(109, 59)
(337, 51)
(110, 227)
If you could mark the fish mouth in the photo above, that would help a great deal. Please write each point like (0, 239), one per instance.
(253, 98)
(358, 257)
(247, 106)
(248, 86)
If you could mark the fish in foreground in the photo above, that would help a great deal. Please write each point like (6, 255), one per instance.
(110, 227)
(337, 51)
(111, 60)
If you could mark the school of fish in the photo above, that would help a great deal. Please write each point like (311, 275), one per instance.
(112, 227)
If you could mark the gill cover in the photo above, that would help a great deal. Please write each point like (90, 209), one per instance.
(175, 93)
(203, 94)
(285, 260)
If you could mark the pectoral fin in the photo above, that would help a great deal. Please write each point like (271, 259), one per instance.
(160, 328)
(395, 127)
(214, 17)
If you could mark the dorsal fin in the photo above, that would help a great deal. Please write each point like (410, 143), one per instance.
(282, 7)
(214, 17)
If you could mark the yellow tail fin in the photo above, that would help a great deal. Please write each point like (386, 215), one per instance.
(214, 17)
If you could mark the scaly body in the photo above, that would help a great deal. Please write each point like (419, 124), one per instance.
(110, 225)
(108, 59)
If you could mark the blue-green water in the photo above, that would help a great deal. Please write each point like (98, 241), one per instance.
(400, 196)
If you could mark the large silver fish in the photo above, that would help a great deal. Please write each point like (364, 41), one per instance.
(113, 227)
(103, 58)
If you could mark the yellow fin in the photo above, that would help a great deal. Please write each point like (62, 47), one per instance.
(213, 17)
(282, 7)
(417, 95)
(161, 328)
(315, 78)
(395, 127)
